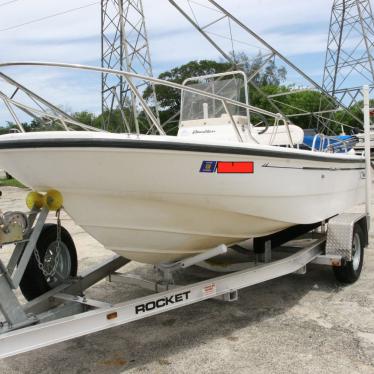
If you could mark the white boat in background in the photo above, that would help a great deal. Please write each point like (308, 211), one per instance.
(360, 145)
(158, 198)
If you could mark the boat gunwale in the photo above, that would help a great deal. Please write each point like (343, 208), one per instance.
(171, 146)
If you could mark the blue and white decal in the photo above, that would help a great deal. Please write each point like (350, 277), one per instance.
(208, 167)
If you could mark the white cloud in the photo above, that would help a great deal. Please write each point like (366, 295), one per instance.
(75, 37)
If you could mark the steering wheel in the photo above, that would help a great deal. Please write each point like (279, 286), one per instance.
(264, 122)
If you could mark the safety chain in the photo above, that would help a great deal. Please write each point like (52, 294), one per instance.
(51, 273)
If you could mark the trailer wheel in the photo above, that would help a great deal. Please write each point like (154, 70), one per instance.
(35, 282)
(350, 272)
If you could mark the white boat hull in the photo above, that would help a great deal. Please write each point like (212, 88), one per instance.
(153, 204)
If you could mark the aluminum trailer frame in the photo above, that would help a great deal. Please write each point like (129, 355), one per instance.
(105, 315)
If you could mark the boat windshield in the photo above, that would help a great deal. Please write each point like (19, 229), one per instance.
(196, 106)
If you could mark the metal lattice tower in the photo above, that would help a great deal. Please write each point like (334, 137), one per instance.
(125, 47)
(350, 51)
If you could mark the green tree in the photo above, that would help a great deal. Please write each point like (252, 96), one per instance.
(264, 73)
(86, 118)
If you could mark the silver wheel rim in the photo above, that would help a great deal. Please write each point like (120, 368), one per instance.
(356, 252)
(63, 268)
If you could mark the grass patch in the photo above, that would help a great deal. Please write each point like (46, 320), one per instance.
(4, 182)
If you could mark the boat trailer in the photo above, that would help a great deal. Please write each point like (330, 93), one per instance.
(64, 312)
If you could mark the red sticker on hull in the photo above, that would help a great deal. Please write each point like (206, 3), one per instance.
(235, 167)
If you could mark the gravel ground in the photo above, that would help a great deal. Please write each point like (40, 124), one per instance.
(295, 324)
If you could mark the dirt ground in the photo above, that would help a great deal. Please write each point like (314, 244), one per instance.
(295, 324)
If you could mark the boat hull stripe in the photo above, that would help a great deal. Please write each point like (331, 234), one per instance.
(162, 145)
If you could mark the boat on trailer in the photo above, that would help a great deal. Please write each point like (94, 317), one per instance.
(221, 180)
(169, 201)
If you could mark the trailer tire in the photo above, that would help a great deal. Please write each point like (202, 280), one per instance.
(350, 272)
(34, 283)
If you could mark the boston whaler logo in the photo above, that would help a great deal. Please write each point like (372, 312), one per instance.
(195, 132)
(223, 167)
(162, 302)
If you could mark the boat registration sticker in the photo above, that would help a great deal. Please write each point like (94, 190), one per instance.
(235, 167)
(208, 167)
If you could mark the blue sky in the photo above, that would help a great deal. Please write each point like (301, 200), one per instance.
(297, 28)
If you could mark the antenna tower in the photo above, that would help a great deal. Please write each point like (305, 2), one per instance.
(350, 52)
(125, 47)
